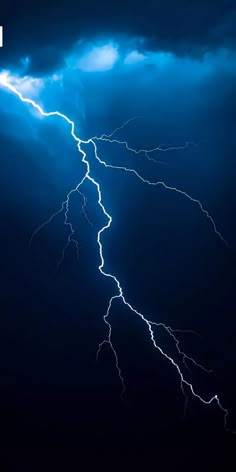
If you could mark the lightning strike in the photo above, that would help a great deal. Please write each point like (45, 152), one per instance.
(184, 383)
(70, 238)
(146, 152)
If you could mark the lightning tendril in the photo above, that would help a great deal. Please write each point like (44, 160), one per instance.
(6, 82)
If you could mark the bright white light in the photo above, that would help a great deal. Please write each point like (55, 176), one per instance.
(99, 59)
(29, 85)
(134, 57)
(4, 78)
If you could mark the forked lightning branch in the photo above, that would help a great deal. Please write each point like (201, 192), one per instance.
(11, 84)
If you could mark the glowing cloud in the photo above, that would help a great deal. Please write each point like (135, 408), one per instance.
(99, 59)
(30, 85)
(134, 57)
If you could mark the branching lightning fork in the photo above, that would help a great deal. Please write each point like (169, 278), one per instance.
(6, 82)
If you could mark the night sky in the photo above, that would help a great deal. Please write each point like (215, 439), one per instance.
(172, 65)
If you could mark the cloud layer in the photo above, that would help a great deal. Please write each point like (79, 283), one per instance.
(47, 31)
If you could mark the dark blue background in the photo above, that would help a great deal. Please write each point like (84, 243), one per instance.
(161, 247)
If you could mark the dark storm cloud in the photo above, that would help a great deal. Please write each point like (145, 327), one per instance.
(183, 26)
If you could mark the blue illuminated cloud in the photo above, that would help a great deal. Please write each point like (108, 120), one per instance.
(99, 58)
(134, 57)
(26, 84)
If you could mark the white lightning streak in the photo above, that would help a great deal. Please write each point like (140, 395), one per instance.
(4, 81)
(146, 152)
(163, 184)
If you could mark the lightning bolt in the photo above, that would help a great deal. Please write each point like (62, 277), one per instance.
(146, 152)
(184, 383)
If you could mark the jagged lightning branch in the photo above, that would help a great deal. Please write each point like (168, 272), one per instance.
(4, 81)
(146, 152)
(163, 184)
